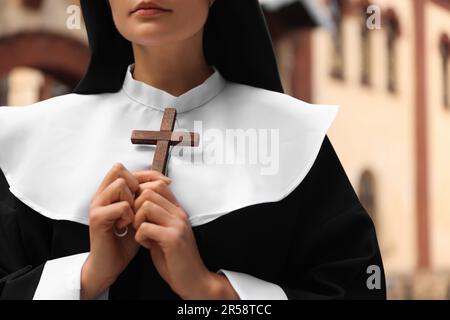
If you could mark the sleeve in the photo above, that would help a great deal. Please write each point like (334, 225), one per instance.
(26, 273)
(18, 277)
(334, 254)
(251, 288)
(60, 279)
(343, 254)
(57, 279)
(349, 265)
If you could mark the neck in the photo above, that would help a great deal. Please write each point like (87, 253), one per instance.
(175, 68)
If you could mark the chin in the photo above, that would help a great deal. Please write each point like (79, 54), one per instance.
(152, 34)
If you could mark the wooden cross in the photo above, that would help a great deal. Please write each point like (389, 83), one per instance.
(165, 138)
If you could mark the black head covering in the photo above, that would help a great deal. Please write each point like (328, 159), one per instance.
(236, 42)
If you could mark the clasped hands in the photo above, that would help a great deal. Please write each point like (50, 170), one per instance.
(143, 202)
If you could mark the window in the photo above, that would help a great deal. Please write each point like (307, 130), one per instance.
(392, 33)
(3, 92)
(366, 192)
(285, 52)
(337, 69)
(365, 48)
(445, 54)
(32, 4)
(24, 86)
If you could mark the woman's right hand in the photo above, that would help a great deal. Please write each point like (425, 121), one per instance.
(111, 208)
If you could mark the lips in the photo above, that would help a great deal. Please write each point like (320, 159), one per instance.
(148, 8)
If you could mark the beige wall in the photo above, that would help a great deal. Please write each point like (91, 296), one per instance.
(375, 129)
(438, 22)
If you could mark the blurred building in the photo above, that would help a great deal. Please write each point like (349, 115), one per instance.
(43, 52)
(392, 134)
(392, 82)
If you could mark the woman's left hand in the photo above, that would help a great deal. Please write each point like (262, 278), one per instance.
(163, 227)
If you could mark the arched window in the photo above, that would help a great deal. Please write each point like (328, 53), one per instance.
(366, 58)
(392, 27)
(337, 68)
(367, 192)
(445, 54)
(56, 62)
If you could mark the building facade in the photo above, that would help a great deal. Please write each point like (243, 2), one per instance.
(42, 46)
(387, 65)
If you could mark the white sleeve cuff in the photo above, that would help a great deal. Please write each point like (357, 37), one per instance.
(61, 279)
(252, 288)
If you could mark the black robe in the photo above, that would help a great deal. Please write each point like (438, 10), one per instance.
(316, 243)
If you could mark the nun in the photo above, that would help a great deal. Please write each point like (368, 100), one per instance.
(272, 216)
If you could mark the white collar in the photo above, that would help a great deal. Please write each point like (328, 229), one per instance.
(55, 153)
(159, 99)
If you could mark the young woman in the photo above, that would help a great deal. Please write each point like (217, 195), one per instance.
(85, 217)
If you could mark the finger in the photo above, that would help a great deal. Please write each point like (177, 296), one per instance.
(160, 188)
(155, 197)
(153, 213)
(162, 196)
(115, 192)
(150, 175)
(119, 171)
(120, 213)
(149, 231)
(147, 244)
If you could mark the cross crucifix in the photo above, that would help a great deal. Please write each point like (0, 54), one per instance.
(165, 138)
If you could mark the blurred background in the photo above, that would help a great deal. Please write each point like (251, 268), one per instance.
(385, 62)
